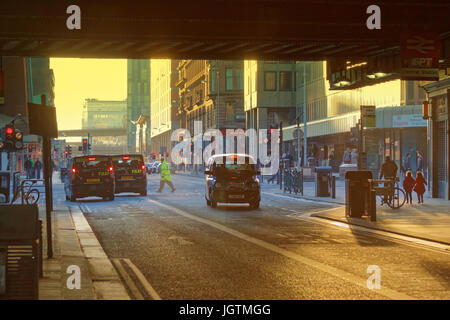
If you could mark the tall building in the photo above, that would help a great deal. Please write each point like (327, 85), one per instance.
(211, 91)
(40, 80)
(106, 114)
(164, 102)
(269, 93)
(138, 101)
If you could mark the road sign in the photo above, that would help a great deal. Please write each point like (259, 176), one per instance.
(368, 116)
(420, 57)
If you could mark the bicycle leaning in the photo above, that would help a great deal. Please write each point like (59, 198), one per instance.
(391, 193)
(29, 191)
(293, 181)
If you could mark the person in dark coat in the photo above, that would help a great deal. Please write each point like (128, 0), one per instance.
(420, 186)
(388, 169)
(28, 165)
(419, 161)
(408, 186)
(37, 168)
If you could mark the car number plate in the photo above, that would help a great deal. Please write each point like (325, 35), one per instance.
(93, 180)
(126, 178)
(236, 196)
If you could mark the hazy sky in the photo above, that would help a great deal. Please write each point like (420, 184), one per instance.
(78, 79)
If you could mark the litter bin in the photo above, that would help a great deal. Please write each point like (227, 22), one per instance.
(323, 181)
(357, 192)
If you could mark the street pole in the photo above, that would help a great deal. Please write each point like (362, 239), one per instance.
(46, 144)
(305, 114)
(281, 154)
(298, 143)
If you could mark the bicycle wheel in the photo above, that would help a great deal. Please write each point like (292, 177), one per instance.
(32, 196)
(398, 199)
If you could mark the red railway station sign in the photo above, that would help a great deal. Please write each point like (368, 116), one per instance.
(420, 57)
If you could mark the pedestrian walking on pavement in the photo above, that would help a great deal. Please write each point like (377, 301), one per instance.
(408, 186)
(37, 168)
(347, 158)
(419, 161)
(420, 186)
(28, 165)
(389, 172)
(165, 176)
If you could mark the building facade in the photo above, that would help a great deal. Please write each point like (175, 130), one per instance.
(269, 93)
(138, 100)
(164, 101)
(106, 114)
(439, 135)
(211, 91)
(331, 113)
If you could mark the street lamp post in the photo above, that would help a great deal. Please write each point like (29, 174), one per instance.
(305, 114)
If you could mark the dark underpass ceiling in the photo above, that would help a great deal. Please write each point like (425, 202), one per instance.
(251, 29)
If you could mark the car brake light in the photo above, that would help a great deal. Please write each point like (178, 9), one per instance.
(111, 169)
(126, 158)
(91, 158)
(74, 170)
(143, 167)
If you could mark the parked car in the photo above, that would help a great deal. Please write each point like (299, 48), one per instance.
(232, 178)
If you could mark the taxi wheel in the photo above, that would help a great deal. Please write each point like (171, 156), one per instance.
(254, 204)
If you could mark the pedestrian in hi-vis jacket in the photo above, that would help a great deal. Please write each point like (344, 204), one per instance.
(165, 176)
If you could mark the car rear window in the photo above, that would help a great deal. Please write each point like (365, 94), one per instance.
(234, 164)
(127, 161)
(92, 162)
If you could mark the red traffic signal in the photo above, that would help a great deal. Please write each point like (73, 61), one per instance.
(9, 130)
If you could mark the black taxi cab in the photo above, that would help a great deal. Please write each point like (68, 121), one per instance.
(130, 173)
(232, 178)
(88, 176)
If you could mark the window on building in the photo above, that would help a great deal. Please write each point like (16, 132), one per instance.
(239, 79)
(286, 80)
(212, 83)
(229, 112)
(270, 81)
(229, 79)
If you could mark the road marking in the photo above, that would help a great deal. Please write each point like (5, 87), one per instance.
(300, 199)
(145, 284)
(289, 254)
(130, 283)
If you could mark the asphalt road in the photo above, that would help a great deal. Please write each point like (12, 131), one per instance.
(187, 250)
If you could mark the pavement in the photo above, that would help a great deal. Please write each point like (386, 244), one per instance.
(428, 221)
(75, 244)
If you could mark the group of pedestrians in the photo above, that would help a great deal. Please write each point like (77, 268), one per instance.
(33, 168)
(417, 184)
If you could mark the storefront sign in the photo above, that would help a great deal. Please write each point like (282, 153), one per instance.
(408, 121)
(420, 57)
(368, 116)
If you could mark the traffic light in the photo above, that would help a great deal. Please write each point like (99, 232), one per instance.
(30, 148)
(69, 151)
(12, 138)
(85, 146)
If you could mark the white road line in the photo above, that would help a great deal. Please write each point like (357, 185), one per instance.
(263, 244)
(130, 283)
(300, 199)
(147, 286)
